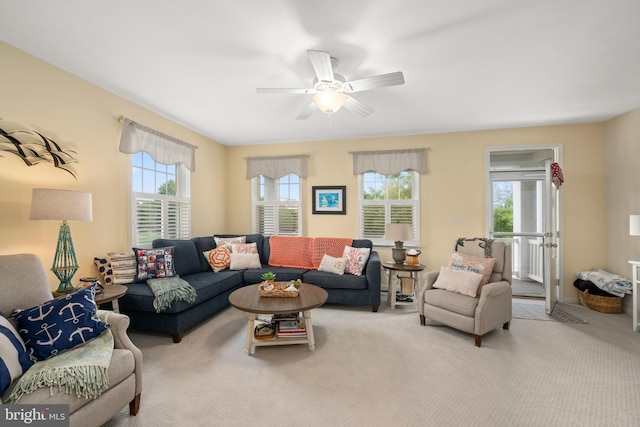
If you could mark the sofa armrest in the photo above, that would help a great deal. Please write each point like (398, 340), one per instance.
(429, 279)
(119, 324)
(372, 271)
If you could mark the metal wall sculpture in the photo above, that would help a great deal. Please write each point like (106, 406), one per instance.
(33, 147)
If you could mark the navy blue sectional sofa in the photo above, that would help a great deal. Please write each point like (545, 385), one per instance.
(213, 289)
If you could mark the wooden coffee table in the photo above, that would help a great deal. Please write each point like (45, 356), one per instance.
(248, 300)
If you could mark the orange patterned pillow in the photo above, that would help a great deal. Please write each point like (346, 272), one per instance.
(332, 246)
(219, 258)
(288, 251)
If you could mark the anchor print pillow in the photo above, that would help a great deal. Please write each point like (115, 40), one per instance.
(60, 324)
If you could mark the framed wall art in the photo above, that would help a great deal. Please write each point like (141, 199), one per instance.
(329, 200)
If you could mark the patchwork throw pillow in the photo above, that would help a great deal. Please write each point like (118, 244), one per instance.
(332, 265)
(219, 258)
(60, 324)
(228, 241)
(475, 264)
(356, 259)
(156, 262)
(14, 359)
(123, 265)
(460, 281)
(244, 248)
(244, 261)
(104, 268)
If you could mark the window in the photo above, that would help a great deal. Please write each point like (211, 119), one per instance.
(276, 207)
(388, 198)
(161, 205)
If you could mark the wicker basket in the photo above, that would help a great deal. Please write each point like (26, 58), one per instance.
(277, 291)
(600, 303)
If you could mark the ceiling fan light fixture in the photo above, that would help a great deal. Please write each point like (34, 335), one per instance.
(329, 101)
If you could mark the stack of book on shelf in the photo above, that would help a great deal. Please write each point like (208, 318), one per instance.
(289, 326)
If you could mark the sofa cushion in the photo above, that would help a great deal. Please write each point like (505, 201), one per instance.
(14, 359)
(60, 324)
(154, 262)
(332, 264)
(452, 301)
(356, 259)
(283, 274)
(123, 265)
(246, 248)
(334, 281)
(228, 241)
(186, 257)
(460, 281)
(243, 261)
(207, 285)
(462, 261)
(219, 258)
(291, 251)
(258, 239)
(332, 246)
(104, 268)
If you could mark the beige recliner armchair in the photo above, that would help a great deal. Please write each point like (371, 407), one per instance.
(490, 308)
(24, 284)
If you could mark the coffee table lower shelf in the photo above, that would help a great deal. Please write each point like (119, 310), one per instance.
(253, 342)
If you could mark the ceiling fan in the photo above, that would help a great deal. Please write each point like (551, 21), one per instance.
(331, 91)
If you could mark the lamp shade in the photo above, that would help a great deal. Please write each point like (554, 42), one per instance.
(634, 225)
(397, 232)
(64, 205)
(329, 101)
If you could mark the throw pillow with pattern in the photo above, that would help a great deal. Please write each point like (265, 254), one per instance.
(219, 258)
(156, 262)
(60, 324)
(14, 359)
(123, 265)
(104, 268)
(246, 248)
(356, 259)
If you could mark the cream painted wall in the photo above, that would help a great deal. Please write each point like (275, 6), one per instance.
(454, 187)
(75, 112)
(78, 114)
(622, 162)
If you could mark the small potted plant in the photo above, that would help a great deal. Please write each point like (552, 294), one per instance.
(269, 277)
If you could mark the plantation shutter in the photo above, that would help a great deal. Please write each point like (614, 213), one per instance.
(158, 216)
(375, 214)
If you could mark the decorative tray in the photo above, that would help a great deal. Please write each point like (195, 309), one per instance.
(277, 289)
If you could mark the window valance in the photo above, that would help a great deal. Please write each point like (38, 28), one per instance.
(162, 148)
(390, 162)
(277, 166)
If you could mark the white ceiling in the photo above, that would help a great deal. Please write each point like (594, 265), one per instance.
(468, 64)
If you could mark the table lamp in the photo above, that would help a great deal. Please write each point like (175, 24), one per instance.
(62, 205)
(398, 233)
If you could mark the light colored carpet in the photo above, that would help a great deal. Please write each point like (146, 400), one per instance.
(534, 311)
(381, 369)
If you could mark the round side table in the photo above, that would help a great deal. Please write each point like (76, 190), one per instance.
(111, 293)
(413, 270)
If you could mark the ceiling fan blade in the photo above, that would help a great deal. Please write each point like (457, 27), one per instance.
(357, 107)
(321, 62)
(284, 90)
(309, 109)
(391, 79)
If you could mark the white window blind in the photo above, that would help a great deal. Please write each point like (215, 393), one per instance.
(158, 216)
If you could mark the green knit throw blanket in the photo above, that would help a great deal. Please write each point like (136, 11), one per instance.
(82, 370)
(168, 289)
